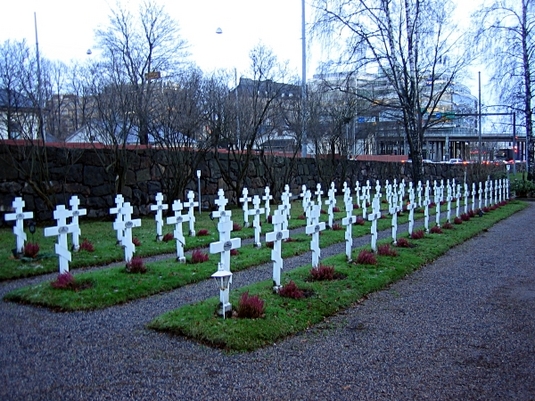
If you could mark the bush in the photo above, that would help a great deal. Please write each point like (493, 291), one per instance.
(465, 217)
(418, 234)
(234, 252)
(250, 307)
(447, 226)
(522, 187)
(436, 230)
(168, 237)
(236, 227)
(403, 243)
(386, 250)
(64, 281)
(359, 221)
(290, 290)
(136, 265)
(322, 273)
(336, 209)
(337, 227)
(31, 250)
(366, 258)
(87, 246)
(457, 220)
(355, 206)
(203, 232)
(198, 256)
(136, 241)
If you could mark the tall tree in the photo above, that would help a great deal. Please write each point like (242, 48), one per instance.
(142, 47)
(412, 44)
(506, 38)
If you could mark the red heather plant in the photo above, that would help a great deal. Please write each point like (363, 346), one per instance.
(337, 227)
(403, 243)
(64, 281)
(359, 221)
(418, 234)
(168, 237)
(198, 256)
(136, 265)
(202, 232)
(336, 209)
(301, 217)
(322, 273)
(486, 209)
(457, 220)
(270, 244)
(234, 252)
(355, 206)
(236, 227)
(323, 211)
(250, 307)
(465, 217)
(472, 213)
(270, 219)
(436, 230)
(87, 246)
(290, 290)
(447, 226)
(386, 250)
(31, 250)
(366, 258)
(136, 241)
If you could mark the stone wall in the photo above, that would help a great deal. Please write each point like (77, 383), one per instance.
(45, 180)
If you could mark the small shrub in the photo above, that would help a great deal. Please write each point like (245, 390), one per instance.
(403, 243)
(336, 209)
(366, 258)
(359, 221)
(322, 273)
(457, 220)
(323, 211)
(198, 256)
(290, 290)
(465, 217)
(236, 227)
(270, 244)
(436, 230)
(270, 219)
(136, 241)
(447, 226)
(168, 237)
(87, 246)
(472, 213)
(234, 252)
(301, 217)
(64, 281)
(337, 227)
(250, 307)
(486, 209)
(432, 204)
(31, 250)
(136, 265)
(418, 234)
(203, 232)
(355, 206)
(386, 250)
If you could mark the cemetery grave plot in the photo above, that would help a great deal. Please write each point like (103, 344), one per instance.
(284, 316)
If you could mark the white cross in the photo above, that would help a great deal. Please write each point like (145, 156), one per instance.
(318, 193)
(278, 234)
(119, 201)
(159, 207)
(449, 198)
(191, 204)
(332, 203)
(393, 210)
(426, 202)
(348, 221)
(357, 193)
(303, 195)
(221, 201)
(437, 195)
(225, 244)
(378, 189)
(266, 198)
(308, 204)
(458, 195)
(401, 194)
(126, 226)
(19, 216)
(410, 207)
(286, 205)
(245, 199)
(467, 194)
(373, 217)
(177, 220)
(419, 191)
(256, 211)
(74, 202)
(314, 229)
(62, 229)
(365, 197)
(480, 193)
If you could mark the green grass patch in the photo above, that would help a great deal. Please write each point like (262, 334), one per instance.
(285, 316)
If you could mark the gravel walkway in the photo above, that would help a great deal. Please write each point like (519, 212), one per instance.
(460, 328)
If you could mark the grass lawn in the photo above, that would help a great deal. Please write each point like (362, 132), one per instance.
(285, 316)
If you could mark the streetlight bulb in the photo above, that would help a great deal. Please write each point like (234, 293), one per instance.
(219, 31)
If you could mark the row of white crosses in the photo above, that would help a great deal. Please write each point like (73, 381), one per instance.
(245, 199)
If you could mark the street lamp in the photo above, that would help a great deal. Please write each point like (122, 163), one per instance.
(199, 188)
(223, 279)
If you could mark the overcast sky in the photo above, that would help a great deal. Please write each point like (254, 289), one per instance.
(66, 28)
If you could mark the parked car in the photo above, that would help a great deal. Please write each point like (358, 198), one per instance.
(455, 161)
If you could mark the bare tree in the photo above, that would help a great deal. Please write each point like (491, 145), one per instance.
(506, 37)
(412, 45)
(142, 47)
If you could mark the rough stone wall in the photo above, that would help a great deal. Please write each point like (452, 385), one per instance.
(87, 173)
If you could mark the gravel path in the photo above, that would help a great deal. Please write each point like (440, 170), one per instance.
(462, 327)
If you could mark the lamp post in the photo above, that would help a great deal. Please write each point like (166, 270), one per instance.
(223, 279)
(199, 188)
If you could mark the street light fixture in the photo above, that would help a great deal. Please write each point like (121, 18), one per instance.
(199, 188)
(223, 279)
